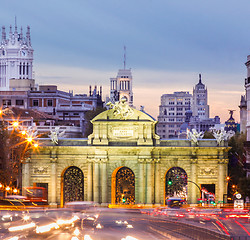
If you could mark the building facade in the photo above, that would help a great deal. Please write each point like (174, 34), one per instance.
(124, 162)
(172, 113)
(247, 143)
(16, 61)
(243, 114)
(174, 106)
(121, 87)
(200, 106)
(67, 108)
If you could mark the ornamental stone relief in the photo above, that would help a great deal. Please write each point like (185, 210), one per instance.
(40, 170)
(207, 171)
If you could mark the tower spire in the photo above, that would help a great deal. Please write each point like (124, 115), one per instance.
(16, 33)
(124, 58)
(10, 34)
(3, 34)
(28, 35)
(199, 78)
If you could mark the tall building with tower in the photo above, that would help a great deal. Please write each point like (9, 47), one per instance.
(121, 85)
(16, 60)
(200, 107)
(247, 143)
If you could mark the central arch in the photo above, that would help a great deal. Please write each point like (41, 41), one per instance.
(176, 183)
(72, 185)
(123, 186)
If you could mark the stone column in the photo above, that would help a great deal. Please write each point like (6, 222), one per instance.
(26, 173)
(90, 181)
(53, 181)
(104, 181)
(221, 180)
(157, 182)
(96, 188)
(141, 181)
(192, 191)
(149, 182)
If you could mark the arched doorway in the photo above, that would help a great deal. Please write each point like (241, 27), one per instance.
(73, 185)
(123, 186)
(176, 183)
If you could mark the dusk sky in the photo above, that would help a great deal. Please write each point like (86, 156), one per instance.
(80, 42)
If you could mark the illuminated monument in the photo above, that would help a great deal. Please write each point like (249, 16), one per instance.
(124, 162)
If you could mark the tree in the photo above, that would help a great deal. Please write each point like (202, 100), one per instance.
(88, 117)
(14, 149)
(236, 163)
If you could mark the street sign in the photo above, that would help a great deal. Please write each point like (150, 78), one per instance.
(239, 204)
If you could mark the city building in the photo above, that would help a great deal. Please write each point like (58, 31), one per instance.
(121, 86)
(247, 143)
(230, 124)
(173, 109)
(18, 88)
(16, 61)
(172, 113)
(200, 107)
(203, 124)
(243, 114)
(123, 162)
(67, 108)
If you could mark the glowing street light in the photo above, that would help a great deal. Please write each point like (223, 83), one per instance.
(35, 145)
(23, 132)
(7, 188)
(15, 124)
(15, 191)
(29, 139)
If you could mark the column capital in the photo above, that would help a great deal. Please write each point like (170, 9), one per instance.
(156, 160)
(27, 160)
(53, 160)
(193, 160)
(222, 161)
(141, 160)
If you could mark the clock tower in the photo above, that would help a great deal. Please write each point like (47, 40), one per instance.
(16, 61)
(121, 86)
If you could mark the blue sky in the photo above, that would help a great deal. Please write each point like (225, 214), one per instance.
(169, 43)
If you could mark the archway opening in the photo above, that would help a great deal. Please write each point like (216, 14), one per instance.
(73, 185)
(123, 186)
(176, 183)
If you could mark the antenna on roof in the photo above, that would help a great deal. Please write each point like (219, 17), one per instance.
(124, 60)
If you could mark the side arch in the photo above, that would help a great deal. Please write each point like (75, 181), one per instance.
(72, 185)
(175, 183)
(123, 186)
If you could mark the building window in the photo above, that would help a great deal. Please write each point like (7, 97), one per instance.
(35, 103)
(171, 109)
(171, 114)
(76, 114)
(19, 102)
(179, 103)
(49, 102)
(179, 109)
(171, 103)
(7, 102)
